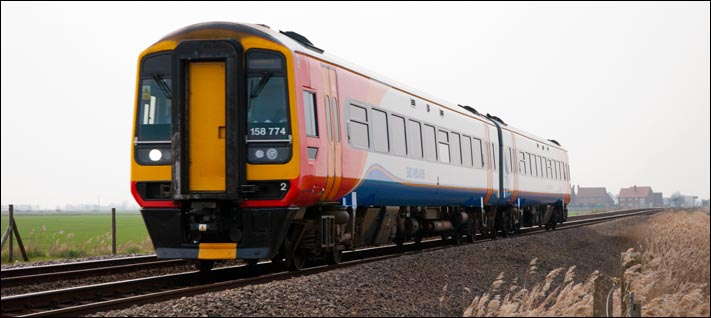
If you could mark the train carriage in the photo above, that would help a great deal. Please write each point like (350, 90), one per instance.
(255, 144)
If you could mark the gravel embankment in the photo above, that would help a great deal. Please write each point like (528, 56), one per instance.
(413, 285)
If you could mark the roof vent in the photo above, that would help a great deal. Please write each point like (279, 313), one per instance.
(469, 108)
(553, 141)
(495, 118)
(301, 39)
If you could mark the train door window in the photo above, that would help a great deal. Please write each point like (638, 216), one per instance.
(337, 117)
(397, 135)
(358, 134)
(467, 151)
(380, 131)
(455, 146)
(522, 163)
(327, 106)
(493, 156)
(478, 154)
(414, 138)
(310, 118)
(429, 142)
(509, 164)
(443, 141)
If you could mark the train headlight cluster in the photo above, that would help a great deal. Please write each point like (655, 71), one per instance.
(154, 154)
(268, 154)
(272, 153)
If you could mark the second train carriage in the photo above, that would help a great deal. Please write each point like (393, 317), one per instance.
(251, 144)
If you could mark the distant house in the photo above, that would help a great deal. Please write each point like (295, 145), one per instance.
(636, 197)
(594, 197)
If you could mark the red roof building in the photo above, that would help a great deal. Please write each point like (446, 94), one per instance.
(594, 197)
(636, 197)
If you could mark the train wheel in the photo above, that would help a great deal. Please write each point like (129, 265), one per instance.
(457, 238)
(418, 239)
(251, 262)
(334, 257)
(298, 261)
(204, 265)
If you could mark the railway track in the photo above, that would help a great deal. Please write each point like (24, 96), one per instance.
(49, 273)
(101, 297)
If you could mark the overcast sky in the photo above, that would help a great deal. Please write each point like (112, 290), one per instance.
(624, 87)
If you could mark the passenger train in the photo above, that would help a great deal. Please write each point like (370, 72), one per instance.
(252, 144)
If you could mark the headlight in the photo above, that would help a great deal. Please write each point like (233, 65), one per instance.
(272, 153)
(155, 155)
(259, 154)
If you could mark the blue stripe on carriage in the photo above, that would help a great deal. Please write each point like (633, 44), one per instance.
(379, 186)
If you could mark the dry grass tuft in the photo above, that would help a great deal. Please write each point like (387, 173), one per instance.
(670, 276)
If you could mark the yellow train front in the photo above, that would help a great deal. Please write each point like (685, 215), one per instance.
(215, 146)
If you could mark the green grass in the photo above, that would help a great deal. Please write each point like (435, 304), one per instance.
(77, 235)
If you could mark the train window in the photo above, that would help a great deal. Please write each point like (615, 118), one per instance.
(530, 163)
(455, 146)
(555, 170)
(414, 138)
(522, 163)
(428, 142)
(358, 134)
(535, 164)
(443, 141)
(359, 113)
(267, 104)
(310, 114)
(478, 154)
(467, 151)
(380, 131)
(549, 169)
(397, 135)
(542, 167)
(154, 114)
(565, 176)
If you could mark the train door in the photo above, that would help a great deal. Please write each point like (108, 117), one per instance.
(333, 132)
(207, 120)
(206, 131)
(509, 176)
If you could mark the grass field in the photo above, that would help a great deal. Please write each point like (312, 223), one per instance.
(78, 235)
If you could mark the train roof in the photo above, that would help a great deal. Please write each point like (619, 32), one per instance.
(300, 44)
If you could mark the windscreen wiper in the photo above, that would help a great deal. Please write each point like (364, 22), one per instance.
(162, 85)
(260, 86)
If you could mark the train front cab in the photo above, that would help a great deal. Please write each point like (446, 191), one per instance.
(205, 193)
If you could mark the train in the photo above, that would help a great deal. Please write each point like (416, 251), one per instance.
(254, 144)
